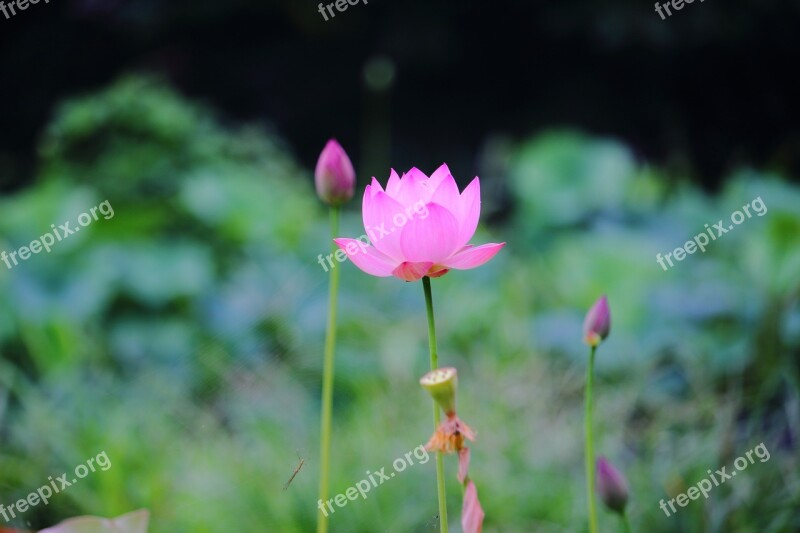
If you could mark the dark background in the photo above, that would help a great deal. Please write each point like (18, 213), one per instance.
(711, 88)
(184, 336)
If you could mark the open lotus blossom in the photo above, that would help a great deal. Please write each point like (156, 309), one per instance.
(408, 245)
(133, 522)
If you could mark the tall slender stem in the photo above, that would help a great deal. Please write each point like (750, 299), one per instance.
(327, 382)
(590, 445)
(626, 525)
(440, 485)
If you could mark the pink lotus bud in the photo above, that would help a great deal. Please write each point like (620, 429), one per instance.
(597, 323)
(611, 486)
(334, 176)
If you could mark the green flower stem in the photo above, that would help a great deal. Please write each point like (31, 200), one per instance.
(327, 381)
(590, 445)
(440, 485)
(626, 525)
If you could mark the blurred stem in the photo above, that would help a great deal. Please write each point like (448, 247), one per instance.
(590, 445)
(327, 381)
(626, 525)
(441, 489)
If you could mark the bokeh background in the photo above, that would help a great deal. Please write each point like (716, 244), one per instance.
(183, 336)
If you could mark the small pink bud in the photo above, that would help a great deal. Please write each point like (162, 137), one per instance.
(597, 323)
(611, 486)
(334, 176)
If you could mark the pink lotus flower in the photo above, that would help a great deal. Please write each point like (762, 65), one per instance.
(334, 176)
(134, 522)
(611, 486)
(419, 226)
(597, 323)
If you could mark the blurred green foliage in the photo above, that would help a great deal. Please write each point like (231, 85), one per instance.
(183, 337)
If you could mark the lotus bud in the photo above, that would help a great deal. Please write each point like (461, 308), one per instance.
(611, 486)
(597, 323)
(334, 176)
